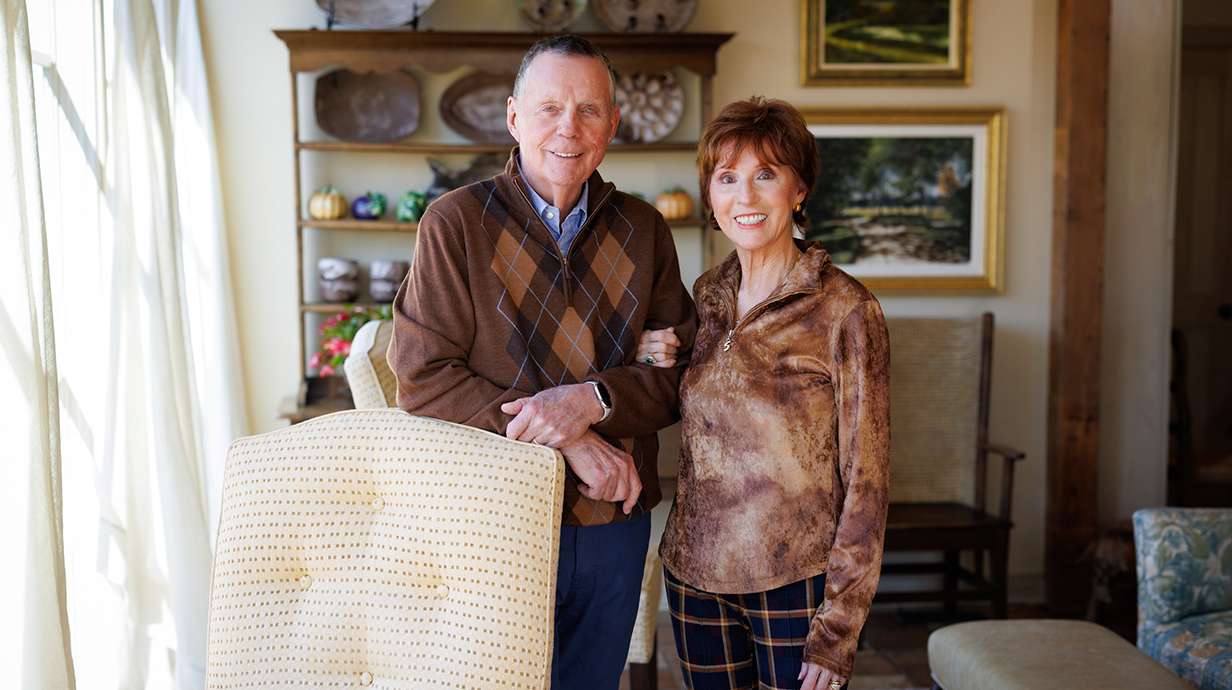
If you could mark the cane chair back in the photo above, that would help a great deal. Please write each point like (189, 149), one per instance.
(935, 419)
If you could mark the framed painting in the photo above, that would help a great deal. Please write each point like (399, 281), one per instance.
(911, 199)
(886, 43)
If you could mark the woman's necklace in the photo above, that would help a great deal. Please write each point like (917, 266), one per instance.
(727, 343)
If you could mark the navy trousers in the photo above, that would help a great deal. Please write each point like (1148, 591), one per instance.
(598, 582)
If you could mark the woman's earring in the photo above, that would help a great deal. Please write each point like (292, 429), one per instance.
(796, 208)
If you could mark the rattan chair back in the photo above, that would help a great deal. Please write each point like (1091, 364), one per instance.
(935, 395)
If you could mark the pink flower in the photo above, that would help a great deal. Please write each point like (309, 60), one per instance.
(337, 346)
(315, 360)
(327, 370)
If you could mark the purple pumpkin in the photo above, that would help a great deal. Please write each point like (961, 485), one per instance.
(370, 206)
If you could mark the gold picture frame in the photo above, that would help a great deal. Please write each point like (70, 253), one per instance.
(912, 199)
(875, 48)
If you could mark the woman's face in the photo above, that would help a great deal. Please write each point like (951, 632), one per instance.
(752, 200)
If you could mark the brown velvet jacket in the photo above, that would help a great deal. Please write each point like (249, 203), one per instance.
(785, 456)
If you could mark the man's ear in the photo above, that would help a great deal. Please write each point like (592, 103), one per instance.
(511, 114)
(615, 124)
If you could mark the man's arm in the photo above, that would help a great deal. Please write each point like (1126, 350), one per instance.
(433, 321)
(434, 324)
(645, 397)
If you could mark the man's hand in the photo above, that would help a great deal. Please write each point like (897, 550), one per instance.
(555, 417)
(607, 473)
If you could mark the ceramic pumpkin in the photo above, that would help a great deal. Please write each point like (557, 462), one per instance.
(370, 206)
(410, 207)
(327, 203)
(674, 204)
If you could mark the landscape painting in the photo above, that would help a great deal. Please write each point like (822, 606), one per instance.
(885, 42)
(913, 201)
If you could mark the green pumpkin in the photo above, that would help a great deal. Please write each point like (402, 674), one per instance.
(411, 207)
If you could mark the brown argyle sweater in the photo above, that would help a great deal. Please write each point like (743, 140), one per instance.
(490, 312)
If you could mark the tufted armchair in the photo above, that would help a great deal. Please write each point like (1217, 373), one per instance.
(1185, 592)
(374, 548)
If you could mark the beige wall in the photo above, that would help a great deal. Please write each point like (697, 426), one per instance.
(1142, 101)
(1014, 66)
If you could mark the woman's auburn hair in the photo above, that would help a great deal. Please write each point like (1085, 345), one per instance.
(774, 129)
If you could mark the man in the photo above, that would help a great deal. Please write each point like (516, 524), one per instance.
(521, 315)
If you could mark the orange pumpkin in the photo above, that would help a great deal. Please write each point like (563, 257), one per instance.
(674, 204)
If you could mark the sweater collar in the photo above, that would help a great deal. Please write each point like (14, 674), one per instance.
(804, 276)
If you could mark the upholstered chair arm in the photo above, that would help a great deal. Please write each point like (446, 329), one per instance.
(1009, 456)
(1183, 556)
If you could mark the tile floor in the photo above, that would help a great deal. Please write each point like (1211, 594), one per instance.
(893, 653)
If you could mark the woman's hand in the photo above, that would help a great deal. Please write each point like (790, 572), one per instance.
(816, 677)
(658, 348)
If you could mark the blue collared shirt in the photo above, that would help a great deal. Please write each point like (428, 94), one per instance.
(565, 232)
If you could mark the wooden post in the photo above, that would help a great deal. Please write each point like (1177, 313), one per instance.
(1077, 287)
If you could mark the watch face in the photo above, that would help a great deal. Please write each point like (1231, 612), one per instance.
(604, 398)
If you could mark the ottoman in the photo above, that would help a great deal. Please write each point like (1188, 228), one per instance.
(1041, 654)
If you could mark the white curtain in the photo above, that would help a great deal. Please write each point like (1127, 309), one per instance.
(34, 640)
(149, 376)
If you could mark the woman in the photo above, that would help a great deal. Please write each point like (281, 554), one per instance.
(773, 547)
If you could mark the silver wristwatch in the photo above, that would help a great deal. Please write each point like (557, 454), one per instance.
(604, 399)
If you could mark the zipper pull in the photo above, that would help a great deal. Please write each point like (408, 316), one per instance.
(727, 343)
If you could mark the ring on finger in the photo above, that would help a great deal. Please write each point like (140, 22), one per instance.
(650, 359)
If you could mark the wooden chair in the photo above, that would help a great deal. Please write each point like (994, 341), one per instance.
(939, 395)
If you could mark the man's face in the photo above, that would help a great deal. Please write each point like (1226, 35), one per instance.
(564, 119)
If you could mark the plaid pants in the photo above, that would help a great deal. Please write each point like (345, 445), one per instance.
(739, 641)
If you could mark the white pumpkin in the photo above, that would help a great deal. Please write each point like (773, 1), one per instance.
(327, 203)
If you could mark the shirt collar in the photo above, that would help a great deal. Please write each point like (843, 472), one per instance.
(542, 208)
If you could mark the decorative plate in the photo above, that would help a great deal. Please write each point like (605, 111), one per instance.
(650, 106)
(368, 107)
(475, 105)
(550, 16)
(645, 16)
(373, 14)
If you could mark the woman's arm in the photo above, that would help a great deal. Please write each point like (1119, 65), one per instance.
(861, 380)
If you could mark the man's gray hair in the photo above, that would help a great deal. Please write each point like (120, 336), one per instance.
(564, 44)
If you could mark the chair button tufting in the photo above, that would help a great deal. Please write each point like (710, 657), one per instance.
(442, 591)
(378, 503)
(305, 581)
(365, 678)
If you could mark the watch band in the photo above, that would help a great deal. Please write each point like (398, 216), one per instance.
(604, 400)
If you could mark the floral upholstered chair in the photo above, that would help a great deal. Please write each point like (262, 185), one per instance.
(1185, 592)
